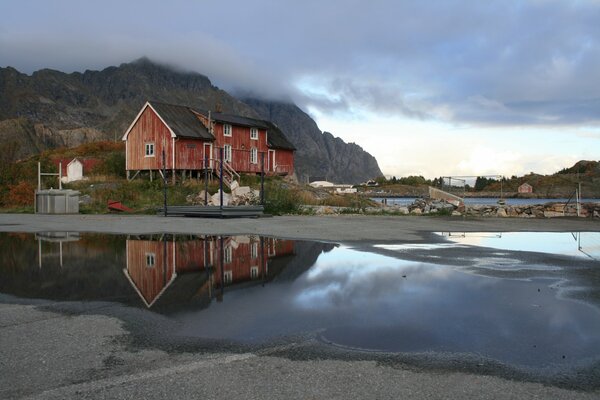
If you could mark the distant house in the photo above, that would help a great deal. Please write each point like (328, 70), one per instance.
(74, 169)
(193, 141)
(525, 188)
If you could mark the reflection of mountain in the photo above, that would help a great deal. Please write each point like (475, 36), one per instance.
(153, 266)
(56, 269)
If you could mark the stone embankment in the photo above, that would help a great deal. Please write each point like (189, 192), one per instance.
(240, 195)
(441, 207)
(548, 210)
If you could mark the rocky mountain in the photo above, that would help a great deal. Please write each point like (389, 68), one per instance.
(582, 167)
(50, 109)
(319, 153)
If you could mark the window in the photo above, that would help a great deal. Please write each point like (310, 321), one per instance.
(254, 155)
(253, 272)
(228, 255)
(226, 130)
(149, 149)
(227, 153)
(254, 133)
(227, 277)
(150, 260)
(254, 250)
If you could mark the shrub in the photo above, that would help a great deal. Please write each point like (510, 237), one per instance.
(281, 200)
(20, 194)
(113, 164)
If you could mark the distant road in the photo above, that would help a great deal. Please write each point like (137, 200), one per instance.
(342, 228)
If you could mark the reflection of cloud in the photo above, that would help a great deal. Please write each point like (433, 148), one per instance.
(349, 279)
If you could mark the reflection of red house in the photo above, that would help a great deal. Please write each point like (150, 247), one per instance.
(192, 141)
(153, 265)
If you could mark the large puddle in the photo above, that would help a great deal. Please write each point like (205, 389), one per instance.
(525, 299)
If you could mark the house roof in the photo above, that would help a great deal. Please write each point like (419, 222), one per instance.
(182, 120)
(276, 139)
(238, 120)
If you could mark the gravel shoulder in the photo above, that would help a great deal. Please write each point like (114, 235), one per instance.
(346, 228)
(49, 354)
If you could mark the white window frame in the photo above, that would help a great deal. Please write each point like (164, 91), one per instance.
(254, 250)
(254, 133)
(227, 153)
(149, 149)
(227, 277)
(253, 155)
(150, 260)
(253, 272)
(227, 130)
(228, 256)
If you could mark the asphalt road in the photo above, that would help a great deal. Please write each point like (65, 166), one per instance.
(58, 351)
(347, 228)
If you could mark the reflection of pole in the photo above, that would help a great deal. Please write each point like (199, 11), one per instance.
(222, 251)
(164, 263)
(60, 252)
(40, 252)
(262, 258)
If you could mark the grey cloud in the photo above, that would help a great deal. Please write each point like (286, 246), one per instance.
(492, 62)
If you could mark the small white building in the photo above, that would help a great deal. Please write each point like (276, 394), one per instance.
(322, 184)
(337, 188)
(345, 190)
(74, 169)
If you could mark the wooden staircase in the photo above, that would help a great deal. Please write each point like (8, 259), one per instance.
(229, 175)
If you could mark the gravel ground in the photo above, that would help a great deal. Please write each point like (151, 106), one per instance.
(336, 228)
(50, 353)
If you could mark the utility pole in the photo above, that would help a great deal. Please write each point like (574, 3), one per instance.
(262, 178)
(164, 181)
(221, 179)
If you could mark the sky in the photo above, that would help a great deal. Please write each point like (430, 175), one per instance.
(431, 88)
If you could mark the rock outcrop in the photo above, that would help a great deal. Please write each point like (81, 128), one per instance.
(318, 153)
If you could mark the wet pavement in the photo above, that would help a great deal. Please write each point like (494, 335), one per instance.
(522, 302)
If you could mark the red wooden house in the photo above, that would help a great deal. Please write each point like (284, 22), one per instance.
(193, 140)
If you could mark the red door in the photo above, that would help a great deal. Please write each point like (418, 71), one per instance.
(271, 165)
(208, 154)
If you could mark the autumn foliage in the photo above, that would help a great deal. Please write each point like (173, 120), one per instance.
(20, 194)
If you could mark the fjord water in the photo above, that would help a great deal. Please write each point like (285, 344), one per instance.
(525, 299)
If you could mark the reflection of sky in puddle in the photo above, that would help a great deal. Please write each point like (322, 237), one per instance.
(376, 302)
(579, 244)
(424, 299)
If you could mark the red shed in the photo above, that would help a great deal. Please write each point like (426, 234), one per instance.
(525, 188)
(192, 141)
